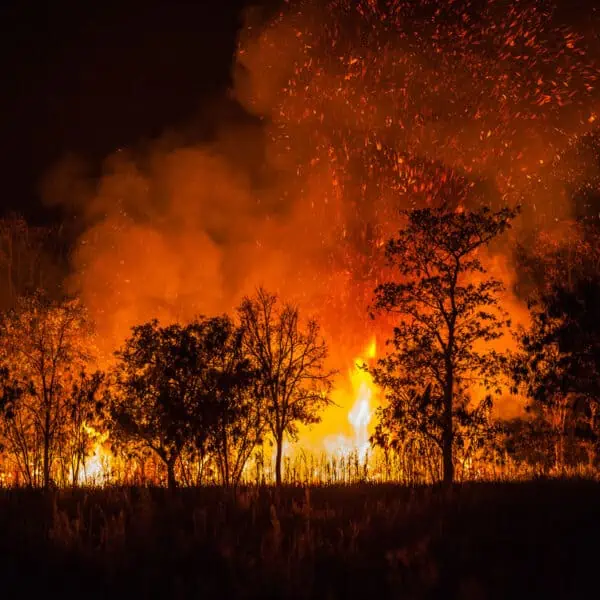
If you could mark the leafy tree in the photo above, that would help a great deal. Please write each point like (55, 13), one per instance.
(230, 382)
(290, 361)
(156, 389)
(185, 388)
(448, 313)
(46, 344)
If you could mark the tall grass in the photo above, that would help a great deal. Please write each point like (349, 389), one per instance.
(476, 540)
(309, 468)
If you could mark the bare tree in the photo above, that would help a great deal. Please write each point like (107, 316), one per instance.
(46, 347)
(290, 361)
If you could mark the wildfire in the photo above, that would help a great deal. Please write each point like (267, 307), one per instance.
(462, 100)
(360, 417)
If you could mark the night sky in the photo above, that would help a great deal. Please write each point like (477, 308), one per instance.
(86, 78)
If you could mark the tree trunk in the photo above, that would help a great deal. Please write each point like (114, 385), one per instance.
(225, 450)
(171, 481)
(448, 433)
(562, 434)
(278, 456)
(46, 464)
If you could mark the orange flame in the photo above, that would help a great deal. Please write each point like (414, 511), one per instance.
(361, 413)
(96, 467)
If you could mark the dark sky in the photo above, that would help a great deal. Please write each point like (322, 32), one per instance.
(88, 77)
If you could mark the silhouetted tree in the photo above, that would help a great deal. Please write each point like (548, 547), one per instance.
(230, 382)
(448, 311)
(558, 362)
(290, 360)
(46, 345)
(184, 387)
(156, 390)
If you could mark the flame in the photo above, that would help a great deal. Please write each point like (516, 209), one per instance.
(360, 417)
(372, 350)
(96, 467)
(361, 413)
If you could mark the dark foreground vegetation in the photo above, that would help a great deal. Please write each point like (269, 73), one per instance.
(474, 541)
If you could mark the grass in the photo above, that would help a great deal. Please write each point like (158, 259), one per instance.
(479, 540)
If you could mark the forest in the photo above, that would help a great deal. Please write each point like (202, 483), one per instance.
(216, 399)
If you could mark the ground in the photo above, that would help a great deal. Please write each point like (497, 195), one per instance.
(477, 541)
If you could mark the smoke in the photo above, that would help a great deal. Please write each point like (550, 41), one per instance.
(181, 231)
(357, 111)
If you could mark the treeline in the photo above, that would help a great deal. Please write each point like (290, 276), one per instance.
(557, 366)
(214, 388)
(211, 392)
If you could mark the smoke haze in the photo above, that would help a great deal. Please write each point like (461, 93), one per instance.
(356, 111)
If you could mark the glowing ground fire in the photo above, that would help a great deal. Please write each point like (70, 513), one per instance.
(97, 466)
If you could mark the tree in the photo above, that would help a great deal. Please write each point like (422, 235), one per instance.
(184, 388)
(156, 388)
(46, 345)
(76, 437)
(449, 312)
(411, 425)
(290, 362)
(230, 382)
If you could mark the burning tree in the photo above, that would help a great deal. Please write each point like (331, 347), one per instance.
(76, 439)
(46, 348)
(448, 312)
(290, 362)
